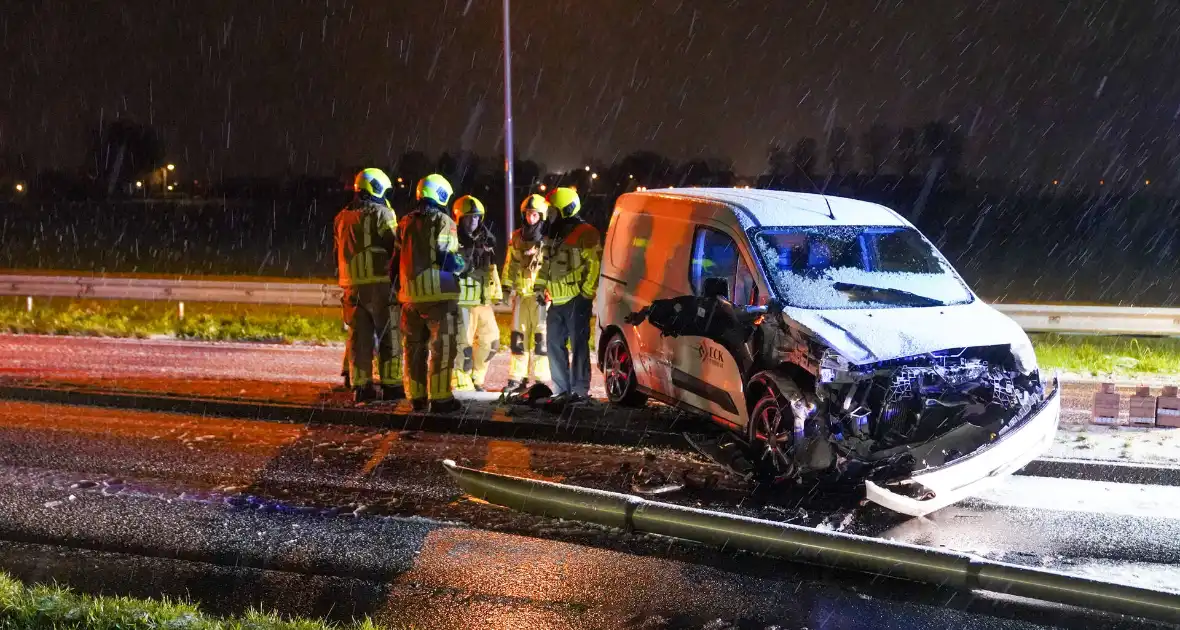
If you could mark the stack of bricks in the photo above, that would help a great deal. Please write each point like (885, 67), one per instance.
(1142, 407)
(1106, 405)
(1167, 408)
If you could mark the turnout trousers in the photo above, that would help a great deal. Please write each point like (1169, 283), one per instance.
(530, 356)
(479, 340)
(431, 344)
(372, 319)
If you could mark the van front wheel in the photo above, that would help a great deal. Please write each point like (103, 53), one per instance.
(618, 372)
(771, 430)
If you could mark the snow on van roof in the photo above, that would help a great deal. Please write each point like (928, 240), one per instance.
(756, 207)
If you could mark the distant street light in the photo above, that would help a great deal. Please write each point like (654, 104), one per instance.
(541, 187)
(587, 168)
(139, 184)
(164, 170)
(169, 187)
(20, 188)
(593, 175)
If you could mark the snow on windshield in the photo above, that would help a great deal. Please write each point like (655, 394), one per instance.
(861, 257)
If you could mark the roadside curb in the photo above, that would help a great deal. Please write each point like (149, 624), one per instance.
(1103, 470)
(588, 430)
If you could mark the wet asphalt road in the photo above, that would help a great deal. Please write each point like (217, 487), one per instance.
(144, 482)
(346, 505)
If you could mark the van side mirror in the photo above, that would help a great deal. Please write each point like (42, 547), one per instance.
(715, 288)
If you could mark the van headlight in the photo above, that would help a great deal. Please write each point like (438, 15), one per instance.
(1025, 355)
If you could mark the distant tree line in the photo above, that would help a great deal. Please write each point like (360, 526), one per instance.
(935, 151)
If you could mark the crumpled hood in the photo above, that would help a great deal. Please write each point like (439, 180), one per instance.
(880, 334)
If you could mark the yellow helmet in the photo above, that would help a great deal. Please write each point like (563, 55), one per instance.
(373, 182)
(467, 206)
(566, 201)
(434, 188)
(535, 203)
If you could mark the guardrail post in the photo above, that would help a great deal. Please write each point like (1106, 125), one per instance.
(29, 304)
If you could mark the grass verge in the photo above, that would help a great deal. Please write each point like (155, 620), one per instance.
(1095, 355)
(202, 321)
(41, 606)
(207, 322)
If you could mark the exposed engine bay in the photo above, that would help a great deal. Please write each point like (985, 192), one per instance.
(920, 412)
(881, 421)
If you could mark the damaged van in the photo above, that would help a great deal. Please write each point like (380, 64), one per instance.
(829, 334)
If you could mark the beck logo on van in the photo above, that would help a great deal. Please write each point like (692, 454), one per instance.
(710, 355)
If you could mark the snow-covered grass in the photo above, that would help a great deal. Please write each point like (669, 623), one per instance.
(42, 606)
(1095, 355)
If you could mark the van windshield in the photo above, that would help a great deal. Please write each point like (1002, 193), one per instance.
(857, 267)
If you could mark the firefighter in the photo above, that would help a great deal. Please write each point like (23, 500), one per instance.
(428, 263)
(479, 289)
(523, 261)
(567, 283)
(365, 238)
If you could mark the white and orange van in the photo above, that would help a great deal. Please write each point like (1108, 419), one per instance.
(828, 333)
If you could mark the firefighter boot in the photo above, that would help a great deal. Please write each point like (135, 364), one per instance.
(392, 392)
(364, 394)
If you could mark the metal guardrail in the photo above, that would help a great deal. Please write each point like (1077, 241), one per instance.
(152, 289)
(812, 546)
(1112, 320)
(1109, 320)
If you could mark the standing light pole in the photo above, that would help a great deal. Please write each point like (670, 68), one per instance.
(509, 200)
(170, 167)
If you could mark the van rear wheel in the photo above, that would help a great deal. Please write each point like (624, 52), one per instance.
(618, 372)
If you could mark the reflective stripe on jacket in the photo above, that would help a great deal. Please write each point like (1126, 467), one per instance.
(481, 286)
(521, 264)
(571, 264)
(422, 237)
(365, 237)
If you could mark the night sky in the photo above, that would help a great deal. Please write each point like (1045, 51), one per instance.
(1044, 88)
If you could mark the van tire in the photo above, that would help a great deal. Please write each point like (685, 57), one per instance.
(771, 428)
(618, 373)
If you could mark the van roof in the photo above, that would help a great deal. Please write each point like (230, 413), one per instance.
(757, 208)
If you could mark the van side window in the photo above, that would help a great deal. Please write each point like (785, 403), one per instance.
(716, 255)
(629, 240)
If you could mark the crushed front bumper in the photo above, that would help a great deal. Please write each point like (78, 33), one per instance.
(975, 472)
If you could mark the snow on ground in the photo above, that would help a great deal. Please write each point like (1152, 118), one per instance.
(1123, 443)
(1076, 495)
